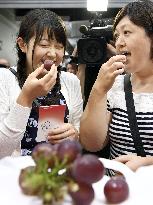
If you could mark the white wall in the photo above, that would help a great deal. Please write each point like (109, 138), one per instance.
(8, 31)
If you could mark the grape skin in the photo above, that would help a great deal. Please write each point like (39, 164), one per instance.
(26, 181)
(116, 190)
(48, 64)
(69, 150)
(81, 170)
(84, 195)
(44, 151)
(87, 168)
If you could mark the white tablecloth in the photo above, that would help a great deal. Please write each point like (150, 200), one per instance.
(140, 184)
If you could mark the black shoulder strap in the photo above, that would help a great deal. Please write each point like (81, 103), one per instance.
(13, 71)
(132, 116)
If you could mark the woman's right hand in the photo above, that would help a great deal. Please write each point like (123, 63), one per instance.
(108, 72)
(35, 87)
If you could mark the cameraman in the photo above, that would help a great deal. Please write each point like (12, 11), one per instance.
(88, 76)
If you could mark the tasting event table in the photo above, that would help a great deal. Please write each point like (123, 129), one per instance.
(140, 184)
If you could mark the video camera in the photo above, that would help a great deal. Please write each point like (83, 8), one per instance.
(92, 47)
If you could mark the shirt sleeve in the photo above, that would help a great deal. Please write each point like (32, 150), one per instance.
(71, 90)
(77, 103)
(114, 93)
(13, 119)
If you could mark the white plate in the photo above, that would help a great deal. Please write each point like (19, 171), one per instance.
(140, 185)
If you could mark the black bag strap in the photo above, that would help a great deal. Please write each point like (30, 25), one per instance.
(15, 73)
(132, 116)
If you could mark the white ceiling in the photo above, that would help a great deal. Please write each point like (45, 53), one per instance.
(56, 3)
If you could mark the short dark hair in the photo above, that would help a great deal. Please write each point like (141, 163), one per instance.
(141, 14)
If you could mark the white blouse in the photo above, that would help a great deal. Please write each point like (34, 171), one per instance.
(14, 117)
(121, 140)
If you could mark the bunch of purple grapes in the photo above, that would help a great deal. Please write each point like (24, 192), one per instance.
(63, 169)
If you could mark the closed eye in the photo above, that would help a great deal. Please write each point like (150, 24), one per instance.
(59, 46)
(126, 32)
(44, 45)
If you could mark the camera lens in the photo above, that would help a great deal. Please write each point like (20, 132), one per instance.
(92, 51)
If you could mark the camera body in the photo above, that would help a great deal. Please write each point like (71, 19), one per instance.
(92, 47)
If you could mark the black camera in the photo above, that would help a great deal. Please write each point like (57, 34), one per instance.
(92, 47)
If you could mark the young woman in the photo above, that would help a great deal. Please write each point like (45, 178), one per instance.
(41, 37)
(105, 117)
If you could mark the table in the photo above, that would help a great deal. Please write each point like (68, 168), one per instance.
(140, 183)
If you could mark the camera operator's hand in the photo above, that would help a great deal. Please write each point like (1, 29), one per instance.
(111, 50)
(75, 52)
(108, 72)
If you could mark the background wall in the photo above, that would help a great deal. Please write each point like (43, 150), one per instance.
(74, 13)
(8, 30)
(56, 3)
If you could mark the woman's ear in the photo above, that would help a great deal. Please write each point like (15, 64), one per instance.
(22, 45)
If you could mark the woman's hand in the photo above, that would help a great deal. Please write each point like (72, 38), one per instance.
(35, 86)
(63, 132)
(108, 72)
(134, 161)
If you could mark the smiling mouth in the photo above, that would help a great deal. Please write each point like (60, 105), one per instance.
(43, 60)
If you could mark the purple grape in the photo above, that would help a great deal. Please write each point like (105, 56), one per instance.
(29, 182)
(69, 150)
(84, 195)
(44, 151)
(87, 168)
(48, 64)
(116, 190)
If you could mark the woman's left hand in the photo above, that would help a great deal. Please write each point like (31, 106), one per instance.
(134, 161)
(66, 131)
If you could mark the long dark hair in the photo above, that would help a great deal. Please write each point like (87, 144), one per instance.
(35, 23)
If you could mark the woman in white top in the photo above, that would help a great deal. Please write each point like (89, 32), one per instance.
(41, 37)
(105, 117)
